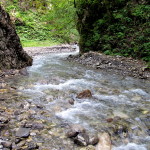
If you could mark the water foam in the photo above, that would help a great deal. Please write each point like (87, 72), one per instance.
(69, 84)
(130, 146)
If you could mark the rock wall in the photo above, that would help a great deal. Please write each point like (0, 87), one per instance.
(12, 55)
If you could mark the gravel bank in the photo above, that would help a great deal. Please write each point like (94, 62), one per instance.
(114, 64)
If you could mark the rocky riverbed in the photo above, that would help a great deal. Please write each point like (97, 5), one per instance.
(60, 105)
(114, 64)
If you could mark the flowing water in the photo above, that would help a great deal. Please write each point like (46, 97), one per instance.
(52, 81)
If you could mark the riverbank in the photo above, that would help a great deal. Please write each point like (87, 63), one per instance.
(114, 64)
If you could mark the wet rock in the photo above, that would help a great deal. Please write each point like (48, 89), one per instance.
(17, 140)
(23, 132)
(121, 129)
(6, 133)
(4, 119)
(71, 101)
(84, 94)
(2, 126)
(93, 140)
(23, 117)
(20, 144)
(32, 146)
(37, 125)
(33, 125)
(104, 142)
(7, 144)
(17, 112)
(81, 139)
(71, 134)
(26, 105)
(78, 128)
(75, 130)
(24, 72)
(109, 120)
(39, 106)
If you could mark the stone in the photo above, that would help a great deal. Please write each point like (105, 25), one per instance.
(71, 101)
(23, 72)
(104, 142)
(32, 146)
(37, 125)
(4, 119)
(71, 134)
(12, 54)
(7, 144)
(23, 132)
(109, 120)
(84, 94)
(81, 139)
(93, 140)
(78, 128)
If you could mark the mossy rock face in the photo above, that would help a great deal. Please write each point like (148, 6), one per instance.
(120, 27)
(12, 54)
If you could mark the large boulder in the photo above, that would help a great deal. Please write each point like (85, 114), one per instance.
(12, 54)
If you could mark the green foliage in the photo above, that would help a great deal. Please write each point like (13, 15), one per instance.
(117, 27)
(43, 20)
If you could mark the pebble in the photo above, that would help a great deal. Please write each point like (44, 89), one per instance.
(23, 132)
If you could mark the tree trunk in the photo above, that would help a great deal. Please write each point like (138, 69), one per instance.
(12, 55)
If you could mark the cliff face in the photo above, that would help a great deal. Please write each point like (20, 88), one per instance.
(12, 55)
(114, 27)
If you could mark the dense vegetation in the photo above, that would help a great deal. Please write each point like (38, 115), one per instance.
(46, 20)
(120, 27)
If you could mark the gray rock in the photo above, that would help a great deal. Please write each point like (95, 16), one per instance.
(32, 146)
(7, 144)
(78, 128)
(71, 101)
(4, 119)
(93, 140)
(37, 125)
(23, 132)
(81, 139)
(71, 134)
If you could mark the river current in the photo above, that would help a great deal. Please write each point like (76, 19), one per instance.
(53, 81)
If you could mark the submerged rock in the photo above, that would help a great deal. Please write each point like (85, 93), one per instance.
(84, 94)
